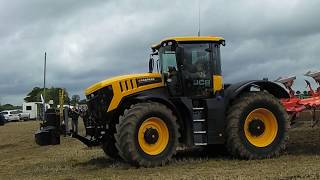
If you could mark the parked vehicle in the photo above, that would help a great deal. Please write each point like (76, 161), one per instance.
(24, 115)
(34, 109)
(11, 115)
(2, 120)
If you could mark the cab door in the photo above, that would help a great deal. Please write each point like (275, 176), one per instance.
(197, 69)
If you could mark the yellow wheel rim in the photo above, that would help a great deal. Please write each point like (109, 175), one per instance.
(159, 128)
(261, 127)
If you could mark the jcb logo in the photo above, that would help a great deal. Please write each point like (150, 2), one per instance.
(202, 82)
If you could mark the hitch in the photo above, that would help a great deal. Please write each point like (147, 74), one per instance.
(50, 131)
(86, 140)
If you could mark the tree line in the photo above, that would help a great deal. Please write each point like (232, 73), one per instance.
(8, 107)
(51, 94)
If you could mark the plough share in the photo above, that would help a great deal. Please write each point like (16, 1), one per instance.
(296, 104)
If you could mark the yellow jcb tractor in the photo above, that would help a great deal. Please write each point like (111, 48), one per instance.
(143, 118)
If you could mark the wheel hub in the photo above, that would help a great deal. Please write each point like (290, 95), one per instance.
(151, 136)
(256, 127)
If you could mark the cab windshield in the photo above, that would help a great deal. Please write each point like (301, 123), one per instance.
(167, 59)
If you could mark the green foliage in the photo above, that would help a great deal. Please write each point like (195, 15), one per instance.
(8, 107)
(51, 94)
(83, 101)
(34, 95)
(75, 99)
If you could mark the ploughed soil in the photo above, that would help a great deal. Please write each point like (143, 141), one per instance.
(21, 158)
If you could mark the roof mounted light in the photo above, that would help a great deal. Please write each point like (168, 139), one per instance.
(223, 42)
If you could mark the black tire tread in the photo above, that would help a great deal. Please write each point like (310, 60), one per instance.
(126, 129)
(234, 144)
(109, 148)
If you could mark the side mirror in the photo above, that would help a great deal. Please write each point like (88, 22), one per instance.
(151, 65)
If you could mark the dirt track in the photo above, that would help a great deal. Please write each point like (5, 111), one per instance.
(21, 158)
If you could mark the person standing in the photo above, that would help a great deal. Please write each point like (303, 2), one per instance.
(74, 117)
(66, 115)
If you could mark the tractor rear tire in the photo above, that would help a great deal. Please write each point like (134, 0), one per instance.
(147, 134)
(257, 126)
(109, 148)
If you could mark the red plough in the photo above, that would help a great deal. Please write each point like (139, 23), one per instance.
(295, 104)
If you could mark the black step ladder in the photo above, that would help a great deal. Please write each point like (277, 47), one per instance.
(199, 126)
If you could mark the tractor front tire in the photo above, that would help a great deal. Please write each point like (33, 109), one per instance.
(147, 134)
(257, 126)
(109, 148)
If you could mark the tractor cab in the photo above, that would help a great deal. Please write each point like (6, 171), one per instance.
(190, 66)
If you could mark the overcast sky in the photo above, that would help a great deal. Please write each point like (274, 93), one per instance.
(88, 41)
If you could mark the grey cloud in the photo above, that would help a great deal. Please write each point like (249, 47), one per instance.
(88, 41)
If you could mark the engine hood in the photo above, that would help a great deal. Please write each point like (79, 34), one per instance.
(135, 80)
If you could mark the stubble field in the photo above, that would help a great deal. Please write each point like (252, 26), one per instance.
(21, 158)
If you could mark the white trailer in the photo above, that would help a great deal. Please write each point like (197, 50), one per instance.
(34, 109)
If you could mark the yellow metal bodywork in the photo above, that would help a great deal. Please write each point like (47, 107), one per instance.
(163, 139)
(271, 127)
(115, 83)
(217, 83)
(189, 39)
